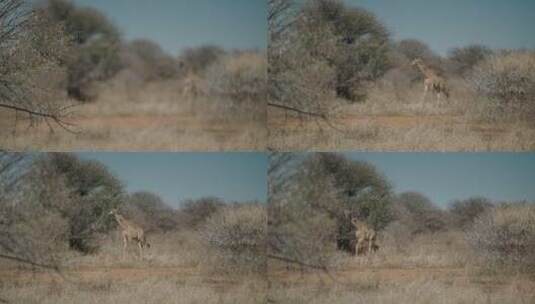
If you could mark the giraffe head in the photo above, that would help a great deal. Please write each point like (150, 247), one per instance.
(356, 222)
(417, 62)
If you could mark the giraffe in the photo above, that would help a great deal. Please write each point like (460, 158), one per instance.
(432, 81)
(192, 87)
(130, 232)
(364, 234)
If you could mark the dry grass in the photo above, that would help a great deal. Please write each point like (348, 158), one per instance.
(176, 269)
(422, 290)
(173, 289)
(152, 117)
(394, 119)
(436, 268)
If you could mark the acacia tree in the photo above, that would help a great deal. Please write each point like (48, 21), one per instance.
(323, 51)
(91, 192)
(419, 214)
(32, 51)
(96, 46)
(311, 206)
(52, 203)
(464, 59)
(150, 211)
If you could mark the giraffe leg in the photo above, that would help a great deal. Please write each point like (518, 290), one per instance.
(439, 97)
(140, 250)
(424, 95)
(125, 245)
(358, 248)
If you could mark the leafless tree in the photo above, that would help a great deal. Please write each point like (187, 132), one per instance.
(32, 49)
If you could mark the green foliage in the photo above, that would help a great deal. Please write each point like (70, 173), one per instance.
(97, 46)
(466, 211)
(359, 49)
(413, 49)
(149, 210)
(197, 60)
(360, 187)
(194, 213)
(310, 219)
(328, 50)
(91, 191)
(465, 58)
(149, 61)
(419, 214)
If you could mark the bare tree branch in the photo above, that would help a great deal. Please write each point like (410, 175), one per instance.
(32, 48)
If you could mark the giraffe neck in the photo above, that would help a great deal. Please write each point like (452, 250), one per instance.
(425, 70)
(121, 221)
(360, 225)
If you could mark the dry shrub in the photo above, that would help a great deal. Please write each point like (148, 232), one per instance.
(241, 76)
(464, 212)
(508, 79)
(151, 212)
(505, 236)
(399, 247)
(237, 234)
(196, 60)
(463, 59)
(194, 213)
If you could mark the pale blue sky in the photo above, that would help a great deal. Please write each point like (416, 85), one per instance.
(176, 24)
(178, 176)
(444, 177)
(444, 24)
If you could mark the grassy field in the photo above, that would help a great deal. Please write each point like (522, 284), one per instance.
(174, 270)
(155, 117)
(399, 121)
(434, 268)
(430, 269)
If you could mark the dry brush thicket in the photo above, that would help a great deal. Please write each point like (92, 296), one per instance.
(435, 252)
(338, 81)
(70, 67)
(54, 221)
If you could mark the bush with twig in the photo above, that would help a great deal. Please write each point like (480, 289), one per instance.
(33, 48)
(238, 236)
(508, 79)
(240, 76)
(505, 236)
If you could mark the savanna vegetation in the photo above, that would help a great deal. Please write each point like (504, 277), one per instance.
(474, 250)
(60, 244)
(70, 81)
(337, 80)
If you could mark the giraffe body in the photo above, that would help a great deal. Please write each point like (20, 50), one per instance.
(131, 232)
(432, 81)
(364, 234)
